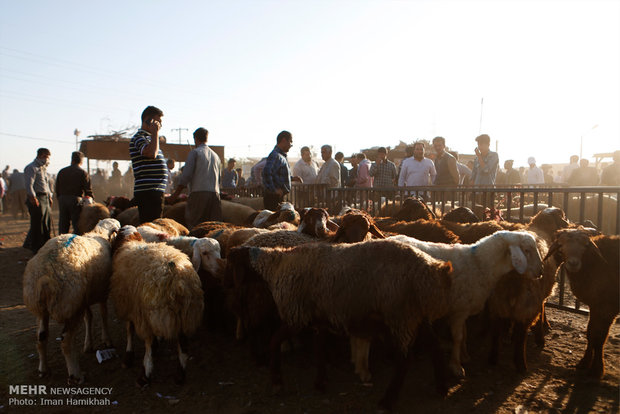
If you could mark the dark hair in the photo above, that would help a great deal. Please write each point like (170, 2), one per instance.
(77, 157)
(382, 149)
(418, 143)
(151, 111)
(43, 151)
(483, 139)
(304, 149)
(409, 150)
(284, 135)
(201, 134)
(339, 155)
(440, 139)
(360, 156)
(232, 160)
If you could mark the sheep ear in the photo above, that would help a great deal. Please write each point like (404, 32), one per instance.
(519, 261)
(332, 226)
(196, 257)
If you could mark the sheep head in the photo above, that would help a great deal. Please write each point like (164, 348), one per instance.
(550, 220)
(152, 235)
(316, 223)
(107, 227)
(523, 252)
(126, 234)
(206, 255)
(413, 209)
(572, 245)
(461, 215)
(356, 227)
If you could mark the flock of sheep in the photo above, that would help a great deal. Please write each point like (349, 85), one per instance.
(278, 273)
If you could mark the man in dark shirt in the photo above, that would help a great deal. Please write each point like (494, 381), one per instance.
(72, 183)
(39, 200)
(445, 164)
(277, 173)
(149, 166)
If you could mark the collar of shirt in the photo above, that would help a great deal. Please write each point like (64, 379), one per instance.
(278, 150)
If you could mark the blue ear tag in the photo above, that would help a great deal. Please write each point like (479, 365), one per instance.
(70, 240)
(193, 242)
(217, 234)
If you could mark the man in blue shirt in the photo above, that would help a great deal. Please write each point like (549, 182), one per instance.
(277, 173)
(486, 162)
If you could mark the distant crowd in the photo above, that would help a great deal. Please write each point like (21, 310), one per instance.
(150, 176)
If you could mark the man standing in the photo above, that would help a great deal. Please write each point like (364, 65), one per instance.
(330, 170)
(115, 183)
(39, 200)
(584, 175)
(486, 162)
(201, 173)
(277, 173)
(229, 175)
(383, 170)
(534, 175)
(306, 167)
(149, 166)
(568, 170)
(611, 173)
(71, 184)
(363, 178)
(417, 170)
(17, 193)
(344, 172)
(512, 176)
(445, 164)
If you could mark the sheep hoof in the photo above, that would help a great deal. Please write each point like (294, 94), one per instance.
(128, 359)
(143, 381)
(72, 380)
(44, 374)
(458, 371)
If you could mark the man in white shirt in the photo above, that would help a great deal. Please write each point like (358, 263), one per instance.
(330, 170)
(534, 175)
(417, 170)
(306, 167)
(568, 170)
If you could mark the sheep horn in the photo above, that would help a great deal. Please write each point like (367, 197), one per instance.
(596, 250)
(376, 232)
(332, 226)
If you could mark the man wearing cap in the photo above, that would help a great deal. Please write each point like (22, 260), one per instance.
(486, 162)
(39, 200)
(534, 175)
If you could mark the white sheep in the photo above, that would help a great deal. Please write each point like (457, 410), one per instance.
(156, 289)
(477, 269)
(369, 289)
(67, 275)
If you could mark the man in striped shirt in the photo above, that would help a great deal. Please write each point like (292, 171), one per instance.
(149, 166)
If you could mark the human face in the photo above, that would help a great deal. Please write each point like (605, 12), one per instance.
(439, 147)
(325, 154)
(483, 147)
(286, 144)
(418, 152)
(306, 156)
(381, 156)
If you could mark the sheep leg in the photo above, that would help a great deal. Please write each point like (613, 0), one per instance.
(519, 337)
(586, 360)
(88, 329)
(147, 368)
(182, 346)
(105, 331)
(457, 328)
(401, 363)
(598, 337)
(129, 355)
(430, 341)
(496, 329)
(464, 352)
(71, 357)
(360, 350)
(274, 352)
(42, 336)
(319, 352)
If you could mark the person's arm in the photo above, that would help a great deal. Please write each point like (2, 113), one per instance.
(373, 169)
(186, 176)
(403, 174)
(151, 149)
(432, 171)
(362, 174)
(334, 175)
(29, 174)
(86, 186)
(454, 172)
(268, 172)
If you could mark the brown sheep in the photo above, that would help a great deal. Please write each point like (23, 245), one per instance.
(591, 264)
(431, 231)
(168, 226)
(90, 216)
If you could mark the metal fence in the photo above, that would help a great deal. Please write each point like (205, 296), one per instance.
(599, 205)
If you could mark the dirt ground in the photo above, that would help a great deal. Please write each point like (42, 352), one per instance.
(223, 378)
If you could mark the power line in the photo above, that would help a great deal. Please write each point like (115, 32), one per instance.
(35, 138)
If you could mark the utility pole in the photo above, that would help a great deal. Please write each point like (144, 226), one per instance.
(481, 105)
(77, 133)
(180, 130)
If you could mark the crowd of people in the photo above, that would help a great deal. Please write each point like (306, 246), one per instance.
(150, 176)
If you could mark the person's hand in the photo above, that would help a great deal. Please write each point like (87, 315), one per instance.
(51, 202)
(153, 127)
(33, 200)
(279, 192)
(477, 151)
(297, 179)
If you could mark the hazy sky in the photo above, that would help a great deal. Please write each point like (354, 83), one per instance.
(353, 74)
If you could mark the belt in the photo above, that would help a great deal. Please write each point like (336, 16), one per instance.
(41, 194)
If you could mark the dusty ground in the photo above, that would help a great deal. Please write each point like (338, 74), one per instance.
(223, 378)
